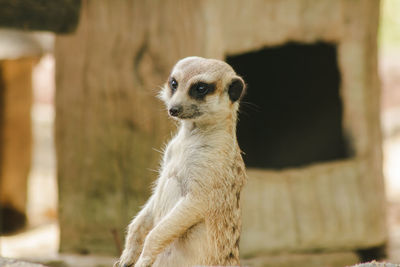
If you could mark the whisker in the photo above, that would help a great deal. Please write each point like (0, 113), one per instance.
(152, 170)
(251, 105)
(245, 113)
(158, 150)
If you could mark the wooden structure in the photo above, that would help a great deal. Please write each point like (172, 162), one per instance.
(109, 120)
(59, 16)
(19, 53)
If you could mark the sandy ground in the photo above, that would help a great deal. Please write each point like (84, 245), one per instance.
(41, 239)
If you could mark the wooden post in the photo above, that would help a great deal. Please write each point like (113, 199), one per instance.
(59, 16)
(15, 139)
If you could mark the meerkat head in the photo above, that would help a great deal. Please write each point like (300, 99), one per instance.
(202, 89)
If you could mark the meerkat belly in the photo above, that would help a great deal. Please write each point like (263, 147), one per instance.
(171, 187)
(188, 250)
(167, 198)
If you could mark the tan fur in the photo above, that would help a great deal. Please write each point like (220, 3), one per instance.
(193, 216)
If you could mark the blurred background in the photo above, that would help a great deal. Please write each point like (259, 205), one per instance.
(320, 125)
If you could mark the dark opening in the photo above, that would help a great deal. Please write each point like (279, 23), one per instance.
(373, 253)
(291, 114)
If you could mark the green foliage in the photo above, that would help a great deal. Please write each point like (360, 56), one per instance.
(389, 29)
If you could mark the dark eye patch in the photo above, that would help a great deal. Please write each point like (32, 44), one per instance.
(199, 90)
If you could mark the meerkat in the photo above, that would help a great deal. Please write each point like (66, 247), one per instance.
(193, 216)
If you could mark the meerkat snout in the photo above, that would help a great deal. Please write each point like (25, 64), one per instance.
(174, 111)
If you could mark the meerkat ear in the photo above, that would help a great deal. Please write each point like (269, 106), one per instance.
(236, 89)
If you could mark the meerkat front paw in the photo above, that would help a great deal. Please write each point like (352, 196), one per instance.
(143, 262)
(116, 264)
(126, 260)
(119, 263)
(123, 264)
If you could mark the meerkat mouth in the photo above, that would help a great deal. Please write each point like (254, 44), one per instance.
(190, 116)
(192, 112)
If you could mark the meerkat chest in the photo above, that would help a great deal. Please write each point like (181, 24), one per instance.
(184, 157)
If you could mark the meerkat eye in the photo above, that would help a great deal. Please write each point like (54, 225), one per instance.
(199, 90)
(202, 88)
(173, 84)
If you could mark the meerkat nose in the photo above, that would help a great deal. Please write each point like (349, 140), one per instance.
(175, 110)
